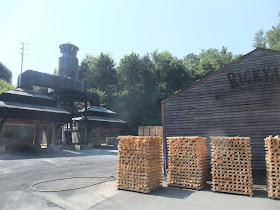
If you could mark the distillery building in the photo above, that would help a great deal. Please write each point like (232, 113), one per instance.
(241, 99)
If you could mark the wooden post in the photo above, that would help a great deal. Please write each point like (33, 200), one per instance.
(44, 137)
(55, 126)
(164, 141)
(2, 145)
(117, 130)
(49, 136)
(52, 137)
(87, 130)
(96, 140)
(36, 143)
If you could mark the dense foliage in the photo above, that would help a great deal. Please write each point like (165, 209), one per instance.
(137, 85)
(269, 39)
(5, 86)
(5, 78)
(5, 73)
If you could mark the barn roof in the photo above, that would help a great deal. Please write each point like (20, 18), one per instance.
(217, 72)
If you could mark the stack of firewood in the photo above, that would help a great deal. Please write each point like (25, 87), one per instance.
(139, 163)
(231, 165)
(187, 164)
(272, 147)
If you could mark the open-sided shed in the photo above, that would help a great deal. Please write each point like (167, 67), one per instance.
(241, 99)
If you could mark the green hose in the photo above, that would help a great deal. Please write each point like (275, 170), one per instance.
(75, 188)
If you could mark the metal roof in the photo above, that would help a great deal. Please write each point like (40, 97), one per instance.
(97, 121)
(27, 93)
(22, 106)
(15, 110)
(102, 119)
(98, 109)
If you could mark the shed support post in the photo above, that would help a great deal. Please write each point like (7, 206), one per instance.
(36, 143)
(96, 140)
(2, 145)
(164, 141)
(49, 136)
(54, 140)
(117, 130)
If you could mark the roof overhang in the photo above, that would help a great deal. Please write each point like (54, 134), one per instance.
(106, 122)
(16, 110)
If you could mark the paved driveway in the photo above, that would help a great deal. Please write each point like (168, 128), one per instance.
(19, 170)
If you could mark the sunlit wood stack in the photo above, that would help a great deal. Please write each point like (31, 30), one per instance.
(231, 165)
(272, 147)
(139, 163)
(187, 164)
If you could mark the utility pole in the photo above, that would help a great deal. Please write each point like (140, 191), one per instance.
(22, 54)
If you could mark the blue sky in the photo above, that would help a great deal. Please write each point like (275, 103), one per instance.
(119, 27)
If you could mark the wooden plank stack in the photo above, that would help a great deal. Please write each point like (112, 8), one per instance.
(231, 165)
(139, 163)
(272, 147)
(187, 164)
(150, 131)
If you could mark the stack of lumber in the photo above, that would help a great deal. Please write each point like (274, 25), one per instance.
(139, 163)
(187, 164)
(231, 165)
(272, 147)
(150, 131)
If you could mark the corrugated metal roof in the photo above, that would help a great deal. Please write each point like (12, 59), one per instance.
(101, 119)
(98, 109)
(22, 106)
(27, 93)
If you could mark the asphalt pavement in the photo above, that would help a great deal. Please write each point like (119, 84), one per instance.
(21, 169)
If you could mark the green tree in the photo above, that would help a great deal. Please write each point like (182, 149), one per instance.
(100, 75)
(5, 73)
(270, 39)
(136, 79)
(136, 74)
(260, 39)
(170, 73)
(5, 86)
(191, 65)
(136, 87)
(213, 59)
(273, 37)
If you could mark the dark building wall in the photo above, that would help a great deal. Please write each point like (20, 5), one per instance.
(18, 136)
(218, 107)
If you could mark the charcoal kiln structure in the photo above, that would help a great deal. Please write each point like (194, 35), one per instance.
(54, 112)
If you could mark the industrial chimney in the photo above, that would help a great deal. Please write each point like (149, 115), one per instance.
(68, 62)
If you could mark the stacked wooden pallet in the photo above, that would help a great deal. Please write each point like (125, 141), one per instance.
(272, 147)
(231, 165)
(187, 164)
(139, 163)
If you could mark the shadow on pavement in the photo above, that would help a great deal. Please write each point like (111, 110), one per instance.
(31, 153)
(259, 191)
(170, 192)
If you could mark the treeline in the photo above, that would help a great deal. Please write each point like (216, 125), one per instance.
(5, 78)
(136, 86)
(269, 39)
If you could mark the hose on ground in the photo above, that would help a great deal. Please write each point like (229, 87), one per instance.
(111, 178)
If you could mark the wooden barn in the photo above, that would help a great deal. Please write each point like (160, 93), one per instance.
(241, 99)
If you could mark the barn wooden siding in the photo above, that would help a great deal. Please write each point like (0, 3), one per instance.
(213, 108)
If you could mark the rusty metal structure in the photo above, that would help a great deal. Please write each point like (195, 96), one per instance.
(53, 111)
